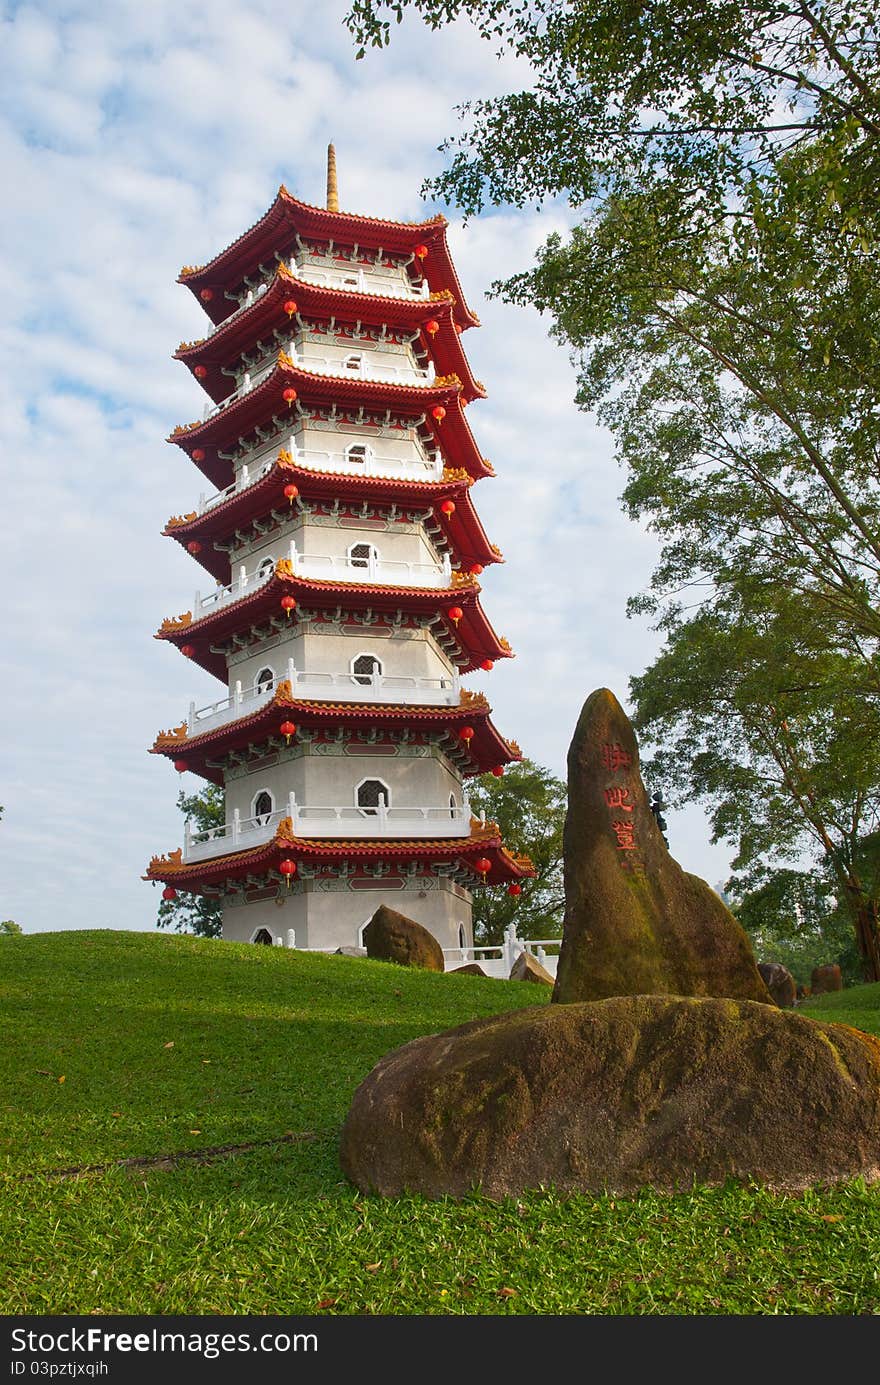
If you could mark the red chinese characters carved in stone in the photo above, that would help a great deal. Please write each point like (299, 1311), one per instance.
(614, 757)
(625, 833)
(618, 798)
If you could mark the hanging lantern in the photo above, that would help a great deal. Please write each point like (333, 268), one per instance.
(438, 412)
(287, 729)
(289, 396)
(181, 766)
(194, 547)
(288, 603)
(448, 507)
(458, 329)
(288, 869)
(206, 295)
(290, 307)
(455, 613)
(291, 492)
(488, 665)
(498, 771)
(201, 372)
(188, 650)
(514, 889)
(466, 733)
(198, 454)
(432, 326)
(421, 252)
(475, 569)
(483, 865)
(169, 892)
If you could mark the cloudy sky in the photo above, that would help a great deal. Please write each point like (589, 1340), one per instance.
(139, 137)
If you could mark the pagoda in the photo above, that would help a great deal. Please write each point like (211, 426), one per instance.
(340, 602)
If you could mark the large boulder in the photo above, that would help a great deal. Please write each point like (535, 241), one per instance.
(619, 1094)
(780, 983)
(528, 968)
(392, 937)
(825, 979)
(635, 922)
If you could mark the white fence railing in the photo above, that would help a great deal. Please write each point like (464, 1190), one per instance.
(355, 280)
(317, 821)
(498, 961)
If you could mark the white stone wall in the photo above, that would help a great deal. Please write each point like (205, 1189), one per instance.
(402, 653)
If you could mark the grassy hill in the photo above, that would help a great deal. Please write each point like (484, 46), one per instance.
(161, 1050)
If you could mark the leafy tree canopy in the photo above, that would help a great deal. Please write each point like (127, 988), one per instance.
(193, 913)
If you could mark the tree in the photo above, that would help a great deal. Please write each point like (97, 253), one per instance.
(794, 918)
(9, 929)
(193, 913)
(528, 804)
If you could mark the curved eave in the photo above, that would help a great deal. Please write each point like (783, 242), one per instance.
(473, 633)
(466, 535)
(260, 860)
(484, 752)
(288, 217)
(266, 314)
(221, 432)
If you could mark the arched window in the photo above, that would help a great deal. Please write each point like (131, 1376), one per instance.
(264, 937)
(358, 452)
(264, 681)
(266, 568)
(363, 554)
(452, 806)
(370, 793)
(365, 667)
(462, 937)
(262, 808)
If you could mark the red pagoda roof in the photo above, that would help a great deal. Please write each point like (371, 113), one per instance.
(288, 217)
(484, 842)
(466, 535)
(215, 434)
(472, 631)
(238, 332)
(486, 750)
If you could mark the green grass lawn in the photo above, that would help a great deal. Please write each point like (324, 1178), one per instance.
(116, 1045)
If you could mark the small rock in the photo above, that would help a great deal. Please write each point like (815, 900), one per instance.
(527, 968)
(392, 937)
(350, 952)
(825, 979)
(469, 969)
(780, 983)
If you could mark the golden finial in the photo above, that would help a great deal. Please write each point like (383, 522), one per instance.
(332, 187)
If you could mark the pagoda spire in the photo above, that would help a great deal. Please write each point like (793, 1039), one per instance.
(332, 187)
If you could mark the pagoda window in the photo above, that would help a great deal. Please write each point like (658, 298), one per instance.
(262, 808)
(363, 555)
(266, 568)
(359, 453)
(370, 793)
(265, 680)
(263, 937)
(452, 806)
(354, 362)
(366, 667)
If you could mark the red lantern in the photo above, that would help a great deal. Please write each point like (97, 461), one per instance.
(466, 733)
(448, 507)
(288, 603)
(438, 412)
(288, 729)
(458, 330)
(291, 492)
(498, 771)
(455, 613)
(432, 326)
(181, 766)
(488, 665)
(198, 454)
(483, 865)
(514, 889)
(288, 869)
(206, 295)
(421, 252)
(289, 396)
(290, 307)
(201, 372)
(188, 650)
(475, 569)
(193, 547)
(169, 892)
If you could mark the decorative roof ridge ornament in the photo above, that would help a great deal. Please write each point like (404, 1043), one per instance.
(457, 473)
(474, 701)
(283, 691)
(173, 623)
(172, 737)
(332, 184)
(176, 520)
(284, 568)
(465, 579)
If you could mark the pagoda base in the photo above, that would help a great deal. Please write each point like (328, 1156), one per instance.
(324, 919)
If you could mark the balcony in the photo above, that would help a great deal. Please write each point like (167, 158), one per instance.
(356, 280)
(359, 460)
(356, 688)
(326, 567)
(373, 369)
(375, 823)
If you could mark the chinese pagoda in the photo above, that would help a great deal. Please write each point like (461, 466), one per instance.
(340, 601)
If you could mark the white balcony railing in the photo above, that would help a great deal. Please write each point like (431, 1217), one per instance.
(387, 572)
(327, 687)
(312, 821)
(368, 369)
(354, 280)
(341, 462)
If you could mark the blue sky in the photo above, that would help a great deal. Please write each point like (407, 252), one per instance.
(137, 138)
